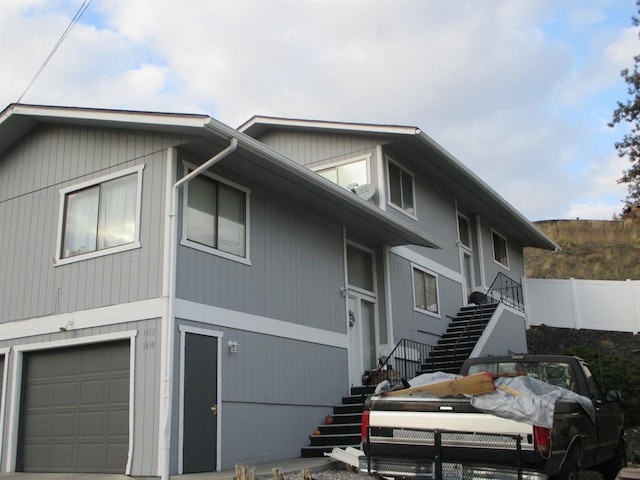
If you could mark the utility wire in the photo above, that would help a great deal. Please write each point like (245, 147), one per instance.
(74, 20)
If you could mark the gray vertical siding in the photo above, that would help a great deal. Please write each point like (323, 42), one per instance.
(407, 322)
(515, 254)
(296, 271)
(314, 149)
(277, 388)
(31, 176)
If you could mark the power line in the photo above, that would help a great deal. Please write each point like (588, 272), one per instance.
(74, 20)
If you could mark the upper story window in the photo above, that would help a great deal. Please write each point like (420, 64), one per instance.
(500, 249)
(425, 291)
(216, 217)
(464, 231)
(100, 217)
(401, 188)
(347, 174)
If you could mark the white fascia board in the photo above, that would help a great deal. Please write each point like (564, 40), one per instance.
(106, 115)
(328, 125)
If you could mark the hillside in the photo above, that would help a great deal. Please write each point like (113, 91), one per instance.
(590, 250)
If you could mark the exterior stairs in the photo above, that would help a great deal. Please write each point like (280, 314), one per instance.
(459, 340)
(345, 431)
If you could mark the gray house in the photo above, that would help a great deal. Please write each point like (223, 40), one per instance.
(180, 296)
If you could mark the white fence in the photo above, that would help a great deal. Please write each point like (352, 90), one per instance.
(583, 304)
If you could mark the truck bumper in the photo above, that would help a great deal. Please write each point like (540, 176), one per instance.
(397, 468)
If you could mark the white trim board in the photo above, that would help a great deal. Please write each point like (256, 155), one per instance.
(257, 324)
(112, 315)
(427, 263)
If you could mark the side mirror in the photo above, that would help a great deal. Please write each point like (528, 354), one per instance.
(614, 396)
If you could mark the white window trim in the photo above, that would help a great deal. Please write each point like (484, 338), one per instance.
(184, 241)
(372, 294)
(414, 215)
(413, 291)
(366, 158)
(493, 249)
(106, 251)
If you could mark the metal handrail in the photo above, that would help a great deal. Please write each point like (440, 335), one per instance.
(404, 361)
(507, 291)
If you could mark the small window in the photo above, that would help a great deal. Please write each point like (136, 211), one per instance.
(464, 232)
(401, 188)
(500, 249)
(425, 291)
(216, 216)
(100, 217)
(360, 268)
(347, 174)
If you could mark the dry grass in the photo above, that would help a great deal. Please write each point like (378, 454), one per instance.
(591, 249)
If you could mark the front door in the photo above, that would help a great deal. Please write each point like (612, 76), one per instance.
(200, 408)
(362, 338)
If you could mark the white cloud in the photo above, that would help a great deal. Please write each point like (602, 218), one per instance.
(518, 91)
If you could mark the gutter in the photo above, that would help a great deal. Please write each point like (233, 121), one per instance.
(164, 460)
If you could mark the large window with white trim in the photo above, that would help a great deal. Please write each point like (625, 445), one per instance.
(401, 188)
(100, 216)
(347, 174)
(216, 216)
(425, 291)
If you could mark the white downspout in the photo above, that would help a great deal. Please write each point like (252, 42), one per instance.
(169, 334)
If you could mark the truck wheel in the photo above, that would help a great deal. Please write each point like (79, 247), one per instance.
(568, 472)
(611, 468)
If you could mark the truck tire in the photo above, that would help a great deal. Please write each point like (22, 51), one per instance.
(611, 468)
(569, 470)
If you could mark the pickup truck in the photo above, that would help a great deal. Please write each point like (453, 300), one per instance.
(420, 435)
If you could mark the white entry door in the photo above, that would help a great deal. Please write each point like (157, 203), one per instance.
(362, 337)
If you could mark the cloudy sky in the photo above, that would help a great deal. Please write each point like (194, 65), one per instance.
(518, 90)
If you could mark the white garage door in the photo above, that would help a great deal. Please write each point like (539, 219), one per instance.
(75, 409)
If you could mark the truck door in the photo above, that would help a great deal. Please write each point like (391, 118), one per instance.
(605, 421)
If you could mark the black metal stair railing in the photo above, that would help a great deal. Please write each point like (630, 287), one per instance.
(507, 291)
(403, 362)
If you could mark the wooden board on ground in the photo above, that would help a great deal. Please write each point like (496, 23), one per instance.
(476, 384)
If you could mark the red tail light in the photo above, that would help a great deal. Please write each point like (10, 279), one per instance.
(542, 440)
(365, 424)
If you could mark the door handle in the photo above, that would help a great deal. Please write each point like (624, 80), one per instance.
(214, 409)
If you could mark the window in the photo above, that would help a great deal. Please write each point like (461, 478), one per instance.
(464, 232)
(216, 216)
(101, 216)
(347, 174)
(425, 291)
(360, 268)
(401, 188)
(500, 249)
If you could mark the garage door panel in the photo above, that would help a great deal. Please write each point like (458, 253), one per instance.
(64, 424)
(118, 424)
(119, 390)
(93, 392)
(76, 417)
(91, 424)
(41, 397)
(64, 393)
